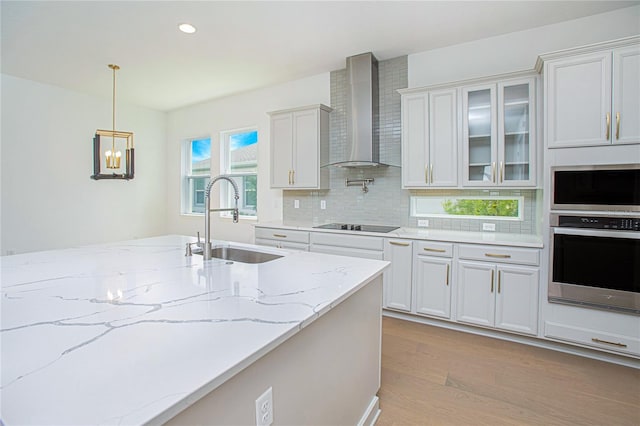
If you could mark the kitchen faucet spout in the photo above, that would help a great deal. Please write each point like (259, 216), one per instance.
(206, 252)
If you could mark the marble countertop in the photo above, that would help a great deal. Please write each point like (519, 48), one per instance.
(496, 238)
(134, 332)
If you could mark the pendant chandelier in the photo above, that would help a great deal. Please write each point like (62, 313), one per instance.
(113, 156)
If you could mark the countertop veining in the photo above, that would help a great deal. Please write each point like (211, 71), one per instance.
(134, 332)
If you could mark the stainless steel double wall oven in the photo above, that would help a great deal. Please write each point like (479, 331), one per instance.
(595, 237)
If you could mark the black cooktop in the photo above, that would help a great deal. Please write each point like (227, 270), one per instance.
(355, 227)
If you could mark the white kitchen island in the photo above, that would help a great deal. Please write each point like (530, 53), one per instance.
(137, 333)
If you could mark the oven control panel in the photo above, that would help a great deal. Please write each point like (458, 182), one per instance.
(599, 222)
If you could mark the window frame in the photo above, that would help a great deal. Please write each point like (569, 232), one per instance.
(225, 169)
(519, 198)
(187, 195)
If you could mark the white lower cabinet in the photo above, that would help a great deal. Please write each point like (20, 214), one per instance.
(397, 279)
(497, 295)
(347, 245)
(282, 238)
(432, 279)
(608, 331)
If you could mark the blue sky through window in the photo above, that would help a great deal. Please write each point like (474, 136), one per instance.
(200, 149)
(241, 140)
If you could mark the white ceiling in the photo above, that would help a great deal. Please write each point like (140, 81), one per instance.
(240, 45)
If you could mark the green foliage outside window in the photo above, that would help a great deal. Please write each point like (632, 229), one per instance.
(471, 207)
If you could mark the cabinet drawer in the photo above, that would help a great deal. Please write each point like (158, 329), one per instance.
(351, 241)
(347, 251)
(282, 244)
(500, 254)
(593, 338)
(430, 248)
(287, 235)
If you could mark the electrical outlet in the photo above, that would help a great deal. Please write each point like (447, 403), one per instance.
(323, 204)
(296, 204)
(488, 226)
(264, 408)
(423, 223)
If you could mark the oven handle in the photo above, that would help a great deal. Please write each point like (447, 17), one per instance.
(596, 233)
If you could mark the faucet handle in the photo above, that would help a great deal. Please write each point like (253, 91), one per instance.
(199, 243)
(188, 251)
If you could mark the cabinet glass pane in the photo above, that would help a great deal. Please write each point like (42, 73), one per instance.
(479, 131)
(516, 132)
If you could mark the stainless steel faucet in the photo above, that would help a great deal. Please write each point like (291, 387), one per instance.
(206, 253)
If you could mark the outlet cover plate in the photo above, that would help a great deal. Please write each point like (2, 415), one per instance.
(489, 227)
(264, 408)
(423, 223)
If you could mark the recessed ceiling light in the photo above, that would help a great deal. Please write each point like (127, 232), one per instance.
(187, 28)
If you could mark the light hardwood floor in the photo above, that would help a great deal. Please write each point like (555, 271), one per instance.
(435, 376)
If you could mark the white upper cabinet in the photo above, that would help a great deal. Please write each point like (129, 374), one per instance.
(299, 147)
(626, 95)
(430, 139)
(592, 98)
(498, 134)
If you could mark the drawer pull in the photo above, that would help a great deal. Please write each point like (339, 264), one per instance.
(498, 281)
(279, 235)
(492, 275)
(596, 340)
(434, 250)
(500, 256)
(395, 243)
(447, 274)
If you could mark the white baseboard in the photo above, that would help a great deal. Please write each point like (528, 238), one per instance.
(371, 414)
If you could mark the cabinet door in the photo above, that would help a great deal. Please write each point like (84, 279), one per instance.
(476, 286)
(432, 283)
(443, 138)
(516, 132)
(578, 100)
(305, 149)
(626, 95)
(479, 135)
(281, 150)
(397, 279)
(414, 140)
(517, 299)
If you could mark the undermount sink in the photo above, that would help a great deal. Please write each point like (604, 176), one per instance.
(241, 255)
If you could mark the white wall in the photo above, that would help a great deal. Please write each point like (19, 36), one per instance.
(517, 51)
(48, 199)
(209, 119)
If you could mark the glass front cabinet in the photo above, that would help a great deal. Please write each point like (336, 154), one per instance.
(499, 134)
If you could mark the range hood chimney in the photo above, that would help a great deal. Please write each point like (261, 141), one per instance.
(363, 136)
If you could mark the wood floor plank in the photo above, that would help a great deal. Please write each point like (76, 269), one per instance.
(432, 375)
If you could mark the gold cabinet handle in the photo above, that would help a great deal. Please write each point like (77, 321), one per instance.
(620, 345)
(434, 250)
(617, 125)
(498, 281)
(447, 282)
(431, 175)
(289, 177)
(492, 274)
(499, 256)
(608, 124)
(501, 172)
(279, 235)
(396, 243)
(426, 173)
(493, 171)
(293, 177)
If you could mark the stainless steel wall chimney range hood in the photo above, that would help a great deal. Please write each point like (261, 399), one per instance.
(363, 136)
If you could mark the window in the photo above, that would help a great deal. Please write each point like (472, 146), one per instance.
(468, 207)
(196, 154)
(239, 159)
